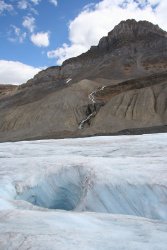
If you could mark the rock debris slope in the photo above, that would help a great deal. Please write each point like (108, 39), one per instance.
(118, 85)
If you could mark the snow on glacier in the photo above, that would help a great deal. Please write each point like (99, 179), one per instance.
(112, 187)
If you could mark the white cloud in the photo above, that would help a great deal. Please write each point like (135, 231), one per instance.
(96, 20)
(28, 5)
(71, 51)
(15, 34)
(29, 23)
(13, 72)
(5, 7)
(54, 2)
(23, 4)
(36, 2)
(40, 39)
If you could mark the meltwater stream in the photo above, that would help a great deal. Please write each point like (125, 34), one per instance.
(93, 112)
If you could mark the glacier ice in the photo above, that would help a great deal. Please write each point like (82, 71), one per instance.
(100, 187)
(75, 189)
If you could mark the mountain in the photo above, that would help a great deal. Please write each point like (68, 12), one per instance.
(118, 86)
(6, 89)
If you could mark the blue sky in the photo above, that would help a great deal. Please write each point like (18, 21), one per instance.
(35, 34)
(48, 18)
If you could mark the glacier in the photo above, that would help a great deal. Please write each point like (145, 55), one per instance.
(94, 193)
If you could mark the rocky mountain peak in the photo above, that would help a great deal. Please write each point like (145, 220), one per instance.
(136, 29)
(130, 39)
(131, 31)
(115, 87)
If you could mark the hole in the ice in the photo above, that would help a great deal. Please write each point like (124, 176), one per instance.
(73, 189)
(62, 191)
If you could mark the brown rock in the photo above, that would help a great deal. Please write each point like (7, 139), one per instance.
(119, 85)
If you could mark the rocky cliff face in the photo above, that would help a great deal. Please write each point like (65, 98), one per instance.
(119, 84)
(131, 49)
(7, 89)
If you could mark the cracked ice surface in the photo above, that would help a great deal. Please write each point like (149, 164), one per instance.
(116, 181)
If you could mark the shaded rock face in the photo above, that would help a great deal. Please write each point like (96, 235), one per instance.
(7, 89)
(119, 84)
(132, 49)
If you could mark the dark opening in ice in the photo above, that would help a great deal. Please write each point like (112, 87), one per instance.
(57, 191)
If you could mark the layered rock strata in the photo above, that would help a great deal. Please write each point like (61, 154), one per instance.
(117, 85)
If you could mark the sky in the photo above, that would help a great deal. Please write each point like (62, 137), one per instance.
(36, 34)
